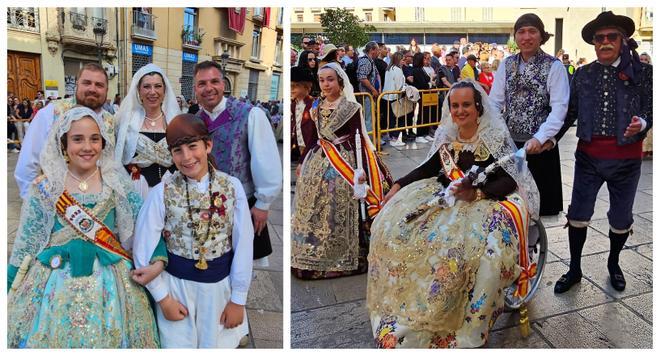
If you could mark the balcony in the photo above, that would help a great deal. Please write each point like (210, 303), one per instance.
(23, 19)
(191, 38)
(78, 31)
(143, 26)
(258, 14)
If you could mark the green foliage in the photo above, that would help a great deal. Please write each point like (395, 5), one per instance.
(513, 47)
(340, 26)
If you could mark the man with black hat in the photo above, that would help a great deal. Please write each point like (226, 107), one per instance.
(612, 101)
(303, 130)
(532, 90)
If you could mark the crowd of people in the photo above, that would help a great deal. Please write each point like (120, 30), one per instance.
(140, 223)
(441, 244)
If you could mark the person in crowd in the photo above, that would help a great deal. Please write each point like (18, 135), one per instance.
(202, 293)
(244, 146)
(394, 81)
(443, 250)
(303, 130)
(486, 76)
(70, 266)
(421, 81)
(535, 113)
(309, 62)
(329, 230)
(369, 79)
(143, 116)
(612, 101)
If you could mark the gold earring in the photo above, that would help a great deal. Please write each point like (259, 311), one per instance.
(66, 157)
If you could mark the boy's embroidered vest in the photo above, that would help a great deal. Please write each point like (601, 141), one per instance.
(178, 227)
(526, 93)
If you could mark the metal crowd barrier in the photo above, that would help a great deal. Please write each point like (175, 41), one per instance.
(366, 98)
(402, 112)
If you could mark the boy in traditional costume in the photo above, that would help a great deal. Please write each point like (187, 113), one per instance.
(203, 216)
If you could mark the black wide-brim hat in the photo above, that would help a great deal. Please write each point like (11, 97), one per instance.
(301, 75)
(608, 19)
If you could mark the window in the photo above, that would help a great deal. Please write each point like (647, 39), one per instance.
(457, 14)
(186, 80)
(278, 52)
(23, 18)
(139, 61)
(487, 14)
(190, 18)
(280, 16)
(317, 17)
(419, 14)
(258, 11)
(256, 43)
(275, 86)
(367, 16)
(253, 85)
(300, 17)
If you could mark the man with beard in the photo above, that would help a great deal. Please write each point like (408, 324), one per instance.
(612, 101)
(91, 91)
(243, 146)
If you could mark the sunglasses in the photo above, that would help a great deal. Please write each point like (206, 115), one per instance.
(611, 37)
(311, 59)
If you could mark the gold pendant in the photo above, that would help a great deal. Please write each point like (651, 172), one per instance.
(83, 186)
(201, 264)
(325, 112)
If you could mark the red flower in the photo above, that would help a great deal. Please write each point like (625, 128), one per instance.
(623, 76)
(389, 341)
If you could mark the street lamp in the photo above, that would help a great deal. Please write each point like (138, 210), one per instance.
(99, 32)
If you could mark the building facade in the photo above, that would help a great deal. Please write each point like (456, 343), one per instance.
(398, 26)
(47, 47)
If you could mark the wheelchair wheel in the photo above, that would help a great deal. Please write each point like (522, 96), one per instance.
(538, 248)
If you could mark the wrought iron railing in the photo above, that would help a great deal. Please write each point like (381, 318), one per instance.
(78, 21)
(144, 24)
(23, 18)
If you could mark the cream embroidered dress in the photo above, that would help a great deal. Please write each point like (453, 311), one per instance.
(437, 274)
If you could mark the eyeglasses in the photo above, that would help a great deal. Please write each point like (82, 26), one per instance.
(611, 37)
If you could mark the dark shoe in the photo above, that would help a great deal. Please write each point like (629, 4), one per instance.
(566, 282)
(618, 281)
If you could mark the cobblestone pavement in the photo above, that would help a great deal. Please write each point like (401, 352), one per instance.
(332, 313)
(264, 306)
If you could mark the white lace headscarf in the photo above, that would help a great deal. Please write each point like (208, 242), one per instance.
(350, 96)
(494, 133)
(130, 116)
(113, 174)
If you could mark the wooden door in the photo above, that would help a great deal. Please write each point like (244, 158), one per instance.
(23, 74)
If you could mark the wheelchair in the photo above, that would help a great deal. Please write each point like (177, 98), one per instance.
(537, 244)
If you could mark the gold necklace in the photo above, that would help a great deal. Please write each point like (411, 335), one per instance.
(82, 183)
(153, 121)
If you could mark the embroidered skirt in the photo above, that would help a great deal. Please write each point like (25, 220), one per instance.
(325, 226)
(52, 309)
(439, 280)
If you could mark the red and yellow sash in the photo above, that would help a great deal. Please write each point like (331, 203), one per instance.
(88, 226)
(519, 216)
(375, 189)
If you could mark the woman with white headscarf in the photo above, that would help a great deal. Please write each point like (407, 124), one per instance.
(142, 119)
(440, 263)
(330, 230)
(70, 267)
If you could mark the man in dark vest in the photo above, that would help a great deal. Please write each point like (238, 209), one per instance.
(243, 146)
(532, 90)
(612, 101)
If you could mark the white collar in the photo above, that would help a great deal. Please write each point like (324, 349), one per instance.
(615, 63)
(201, 183)
(217, 109)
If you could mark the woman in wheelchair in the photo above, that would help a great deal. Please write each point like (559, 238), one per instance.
(443, 251)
